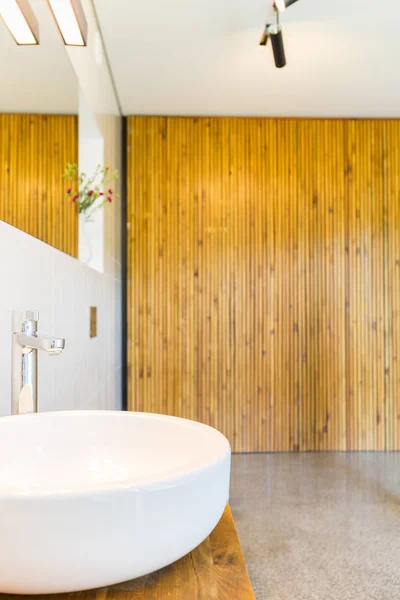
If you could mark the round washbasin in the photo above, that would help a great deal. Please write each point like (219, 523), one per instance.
(93, 498)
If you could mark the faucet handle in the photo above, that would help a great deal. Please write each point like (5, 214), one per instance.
(25, 321)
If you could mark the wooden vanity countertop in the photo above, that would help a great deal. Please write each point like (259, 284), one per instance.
(214, 571)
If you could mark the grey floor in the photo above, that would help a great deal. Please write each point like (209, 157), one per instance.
(319, 526)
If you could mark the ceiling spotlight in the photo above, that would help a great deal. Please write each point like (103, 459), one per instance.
(275, 33)
(278, 47)
(71, 21)
(21, 21)
(282, 5)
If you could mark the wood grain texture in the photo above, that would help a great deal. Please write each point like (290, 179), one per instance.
(264, 278)
(214, 570)
(34, 150)
(391, 237)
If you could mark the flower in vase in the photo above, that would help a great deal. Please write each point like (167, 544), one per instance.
(89, 188)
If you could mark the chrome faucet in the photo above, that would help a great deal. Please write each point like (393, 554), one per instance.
(25, 345)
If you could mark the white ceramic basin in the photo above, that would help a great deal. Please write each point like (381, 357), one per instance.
(88, 499)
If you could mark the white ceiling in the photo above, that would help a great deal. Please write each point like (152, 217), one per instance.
(37, 79)
(201, 57)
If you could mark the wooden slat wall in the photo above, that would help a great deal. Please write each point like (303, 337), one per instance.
(391, 133)
(34, 150)
(264, 278)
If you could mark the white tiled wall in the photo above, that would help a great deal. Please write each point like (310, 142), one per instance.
(34, 275)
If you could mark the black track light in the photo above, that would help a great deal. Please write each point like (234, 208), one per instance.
(275, 33)
(278, 49)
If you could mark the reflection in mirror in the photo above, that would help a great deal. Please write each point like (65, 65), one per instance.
(39, 106)
(91, 156)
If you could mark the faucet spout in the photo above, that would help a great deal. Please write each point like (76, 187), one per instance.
(53, 346)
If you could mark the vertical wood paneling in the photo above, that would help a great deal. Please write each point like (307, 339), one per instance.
(285, 328)
(392, 283)
(34, 150)
(321, 234)
(365, 277)
(264, 278)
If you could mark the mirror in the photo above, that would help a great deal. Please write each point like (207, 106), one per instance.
(39, 134)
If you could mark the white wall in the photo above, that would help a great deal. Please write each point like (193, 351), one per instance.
(36, 276)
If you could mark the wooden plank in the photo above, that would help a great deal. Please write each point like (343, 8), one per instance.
(215, 569)
(392, 284)
(34, 150)
(365, 280)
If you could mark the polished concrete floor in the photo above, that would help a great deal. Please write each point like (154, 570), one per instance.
(319, 526)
